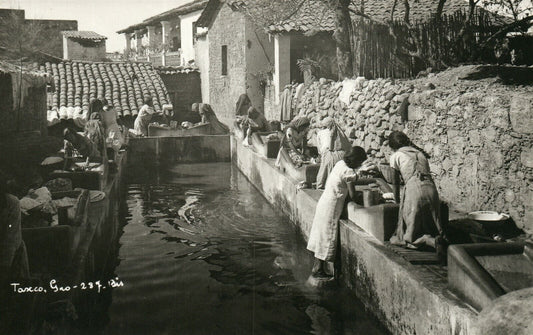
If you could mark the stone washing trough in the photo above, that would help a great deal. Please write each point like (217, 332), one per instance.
(264, 147)
(160, 131)
(305, 173)
(379, 219)
(481, 272)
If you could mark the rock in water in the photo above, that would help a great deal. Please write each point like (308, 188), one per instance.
(509, 314)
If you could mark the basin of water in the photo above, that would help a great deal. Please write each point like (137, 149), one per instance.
(202, 252)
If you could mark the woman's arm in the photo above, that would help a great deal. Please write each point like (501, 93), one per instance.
(396, 187)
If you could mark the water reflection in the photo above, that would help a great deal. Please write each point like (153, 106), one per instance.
(204, 253)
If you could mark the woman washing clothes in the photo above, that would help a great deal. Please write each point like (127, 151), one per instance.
(332, 144)
(140, 126)
(243, 105)
(295, 140)
(113, 133)
(324, 231)
(76, 143)
(419, 217)
(94, 129)
(255, 122)
(209, 117)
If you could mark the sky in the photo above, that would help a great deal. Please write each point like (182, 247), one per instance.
(101, 16)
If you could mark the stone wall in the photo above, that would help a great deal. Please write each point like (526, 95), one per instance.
(227, 29)
(479, 133)
(184, 89)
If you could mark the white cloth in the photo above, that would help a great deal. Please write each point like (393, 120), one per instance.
(323, 140)
(348, 86)
(323, 236)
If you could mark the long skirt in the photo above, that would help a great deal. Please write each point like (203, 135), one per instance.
(324, 232)
(327, 162)
(419, 211)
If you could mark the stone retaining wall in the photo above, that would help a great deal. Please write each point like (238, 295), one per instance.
(481, 143)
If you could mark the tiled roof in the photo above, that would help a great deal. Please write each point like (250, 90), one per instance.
(181, 10)
(420, 11)
(316, 15)
(313, 15)
(176, 69)
(84, 35)
(124, 85)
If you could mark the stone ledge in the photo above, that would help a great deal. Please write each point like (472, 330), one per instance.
(407, 298)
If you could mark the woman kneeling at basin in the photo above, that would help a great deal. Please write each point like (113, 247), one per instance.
(324, 232)
(295, 140)
(210, 118)
(419, 217)
(254, 122)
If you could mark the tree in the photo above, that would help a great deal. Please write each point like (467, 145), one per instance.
(343, 37)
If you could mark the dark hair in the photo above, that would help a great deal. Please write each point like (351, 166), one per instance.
(398, 139)
(95, 107)
(148, 101)
(355, 157)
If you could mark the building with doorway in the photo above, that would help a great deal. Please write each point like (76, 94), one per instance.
(166, 39)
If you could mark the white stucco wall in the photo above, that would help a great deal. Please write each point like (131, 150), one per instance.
(259, 61)
(202, 61)
(187, 43)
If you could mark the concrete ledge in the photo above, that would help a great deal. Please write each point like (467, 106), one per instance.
(186, 149)
(408, 299)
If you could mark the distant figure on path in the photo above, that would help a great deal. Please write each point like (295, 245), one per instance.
(324, 232)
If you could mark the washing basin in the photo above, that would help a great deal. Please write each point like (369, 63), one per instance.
(379, 220)
(305, 173)
(481, 272)
(264, 147)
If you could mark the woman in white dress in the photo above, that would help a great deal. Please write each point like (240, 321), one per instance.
(324, 232)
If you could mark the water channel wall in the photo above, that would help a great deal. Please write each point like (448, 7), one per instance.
(481, 144)
(187, 149)
(406, 298)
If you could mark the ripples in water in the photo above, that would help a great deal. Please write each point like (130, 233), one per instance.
(204, 253)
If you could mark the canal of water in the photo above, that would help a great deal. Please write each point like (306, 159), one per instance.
(202, 252)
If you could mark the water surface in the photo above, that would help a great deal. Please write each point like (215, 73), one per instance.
(202, 252)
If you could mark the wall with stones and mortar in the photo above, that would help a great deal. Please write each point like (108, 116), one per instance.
(228, 28)
(479, 133)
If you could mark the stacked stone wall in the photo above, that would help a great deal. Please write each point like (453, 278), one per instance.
(479, 134)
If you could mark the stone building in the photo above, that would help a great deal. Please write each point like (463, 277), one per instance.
(83, 45)
(244, 51)
(49, 30)
(166, 39)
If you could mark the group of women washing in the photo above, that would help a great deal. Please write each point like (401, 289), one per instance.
(341, 165)
(102, 135)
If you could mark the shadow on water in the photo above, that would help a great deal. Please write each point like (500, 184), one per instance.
(202, 252)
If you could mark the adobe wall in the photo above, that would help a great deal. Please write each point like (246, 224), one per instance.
(227, 29)
(481, 144)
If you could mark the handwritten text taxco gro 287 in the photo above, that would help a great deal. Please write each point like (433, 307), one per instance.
(55, 287)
